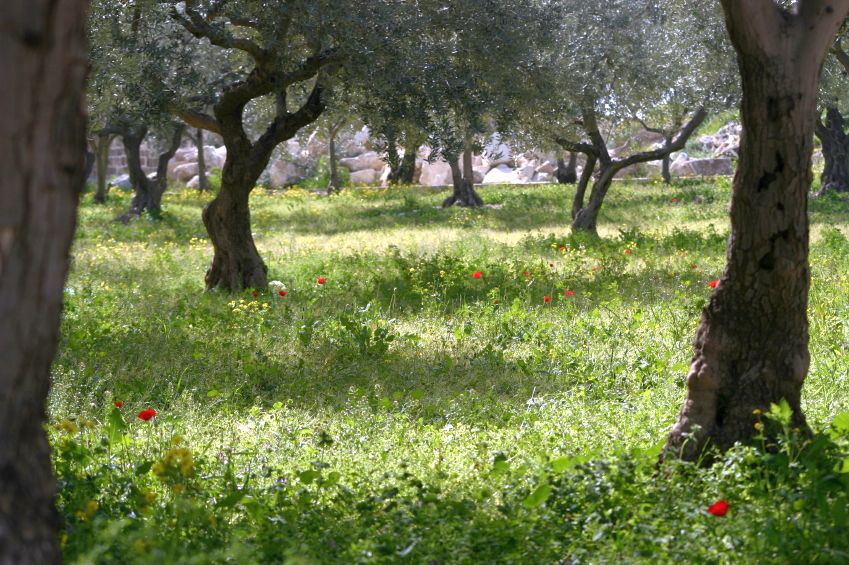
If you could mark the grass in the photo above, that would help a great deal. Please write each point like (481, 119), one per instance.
(405, 411)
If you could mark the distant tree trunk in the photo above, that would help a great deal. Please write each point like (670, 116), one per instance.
(586, 218)
(586, 177)
(89, 162)
(203, 182)
(406, 171)
(464, 185)
(751, 347)
(835, 151)
(567, 173)
(42, 142)
(148, 192)
(666, 162)
(335, 184)
(102, 144)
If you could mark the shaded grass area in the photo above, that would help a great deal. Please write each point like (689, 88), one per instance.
(406, 411)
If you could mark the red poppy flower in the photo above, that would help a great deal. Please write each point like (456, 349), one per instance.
(256, 294)
(321, 280)
(713, 283)
(719, 508)
(282, 293)
(546, 299)
(562, 248)
(628, 252)
(477, 275)
(569, 293)
(147, 414)
(118, 404)
(526, 273)
(674, 200)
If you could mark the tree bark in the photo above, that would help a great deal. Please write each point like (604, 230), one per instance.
(835, 150)
(567, 173)
(42, 144)
(148, 192)
(463, 180)
(102, 143)
(203, 182)
(335, 184)
(586, 177)
(751, 348)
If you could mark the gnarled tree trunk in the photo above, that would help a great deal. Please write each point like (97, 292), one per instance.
(463, 180)
(567, 173)
(666, 162)
(751, 347)
(42, 144)
(236, 263)
(406, 171)
(835, 150)
(147, 192)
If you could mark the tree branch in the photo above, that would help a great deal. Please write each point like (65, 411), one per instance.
(217, 34)
(841, 55)
(196, 119)
(677, 144)
(585, 148)
(591, 127)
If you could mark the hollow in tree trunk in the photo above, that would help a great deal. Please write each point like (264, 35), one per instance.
(463, 180)
(567, 173)
(42, 144)
(147, 192)
(203, 181)
(751, 348)
(835, 151)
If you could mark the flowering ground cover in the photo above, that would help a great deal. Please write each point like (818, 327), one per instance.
(429, 386)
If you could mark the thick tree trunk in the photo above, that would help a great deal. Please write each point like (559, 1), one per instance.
(751, 347)
(463, 181)
(567, 173)
(42, 143)
(148, 192)
(203, 182)
(236, 264)
(835, 150)
(89, 162)
(586, 177)
(102, 143)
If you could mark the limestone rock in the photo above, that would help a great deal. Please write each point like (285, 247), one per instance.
(370, 160)
(365, 176)
(435, 174)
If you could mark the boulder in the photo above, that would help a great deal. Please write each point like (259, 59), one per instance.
(186, 171)
(194, 183)
(122, 182)
(702, 167)
(369, 160)
(283, 173)
(547, 168)
(435, 174)
(527, 173)
(502, 174)
(364, 176)
(544, 177)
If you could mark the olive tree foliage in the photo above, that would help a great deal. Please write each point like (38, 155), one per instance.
(133, 55)
(659, 63)
(470, 66)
